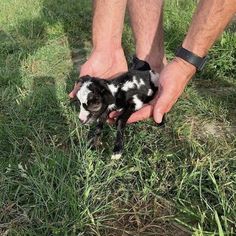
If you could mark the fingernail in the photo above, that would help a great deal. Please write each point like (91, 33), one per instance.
(158, 118)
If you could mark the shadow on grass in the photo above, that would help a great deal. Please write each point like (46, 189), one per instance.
(75, 18)
(24, 40)
(33, 131)
(36, 127)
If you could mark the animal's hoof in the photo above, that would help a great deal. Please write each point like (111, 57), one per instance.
(116, 156)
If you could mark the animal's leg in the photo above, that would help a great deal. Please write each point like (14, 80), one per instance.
(120, 124)
(94, 135)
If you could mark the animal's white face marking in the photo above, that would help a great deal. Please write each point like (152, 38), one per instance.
(150, 92)
(84, 114)
(82, 96)
(113, 88)
(154, 77)
(83, 92)
(138, 103)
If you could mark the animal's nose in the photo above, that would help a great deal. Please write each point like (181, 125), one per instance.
(82, 121)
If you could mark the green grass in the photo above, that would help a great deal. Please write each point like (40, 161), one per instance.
(176, 180)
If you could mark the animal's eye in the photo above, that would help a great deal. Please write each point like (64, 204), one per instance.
(90, 96)
(84, 106)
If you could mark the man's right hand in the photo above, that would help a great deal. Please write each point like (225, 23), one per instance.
(173, 79)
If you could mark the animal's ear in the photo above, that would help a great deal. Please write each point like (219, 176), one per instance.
(79, 82)
(83, 78)
(102, 83)
(108, 97)
(106, 93)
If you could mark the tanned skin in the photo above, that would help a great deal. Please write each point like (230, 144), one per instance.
(209, 21)
(146, 21)
(107, 58)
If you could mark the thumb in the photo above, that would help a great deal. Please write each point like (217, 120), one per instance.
(142, 114)
(162, 106)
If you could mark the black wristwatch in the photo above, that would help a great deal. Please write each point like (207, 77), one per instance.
(198, 62)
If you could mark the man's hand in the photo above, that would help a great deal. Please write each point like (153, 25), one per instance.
(173, 79)
(102, 64)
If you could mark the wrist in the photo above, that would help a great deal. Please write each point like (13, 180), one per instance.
(188, 69)
(192, 47)
(106, 43)
(107, 48)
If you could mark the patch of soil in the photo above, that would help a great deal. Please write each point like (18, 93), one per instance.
(205, 129)
(143, 218)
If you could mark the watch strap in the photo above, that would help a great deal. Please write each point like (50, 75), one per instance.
(191, 58)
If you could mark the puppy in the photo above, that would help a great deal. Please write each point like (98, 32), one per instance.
(126, 93)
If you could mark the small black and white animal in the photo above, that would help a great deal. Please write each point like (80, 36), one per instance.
(126, 93)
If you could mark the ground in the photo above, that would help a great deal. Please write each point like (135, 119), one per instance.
(175, 180)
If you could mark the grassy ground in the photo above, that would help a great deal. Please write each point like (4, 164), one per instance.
(176, 180)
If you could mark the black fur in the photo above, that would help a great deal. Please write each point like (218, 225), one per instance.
(140, 85)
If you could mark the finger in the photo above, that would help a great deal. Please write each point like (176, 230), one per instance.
(142, 114)
(111, 121)
(112, 117)
(114, 114)
(162, 106)
(72, 94)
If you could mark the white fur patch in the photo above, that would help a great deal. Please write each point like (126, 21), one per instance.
(113, 88)
(112, 107)
(141, 83)
(132, 84)
(138, 103)
(154, 77)
(83, 92)
(83, 115)
(116, 156)
(150, 92)
(128, 85)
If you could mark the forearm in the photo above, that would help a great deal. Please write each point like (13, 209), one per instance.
(146, 21)
(108, 21)
(209, 21)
